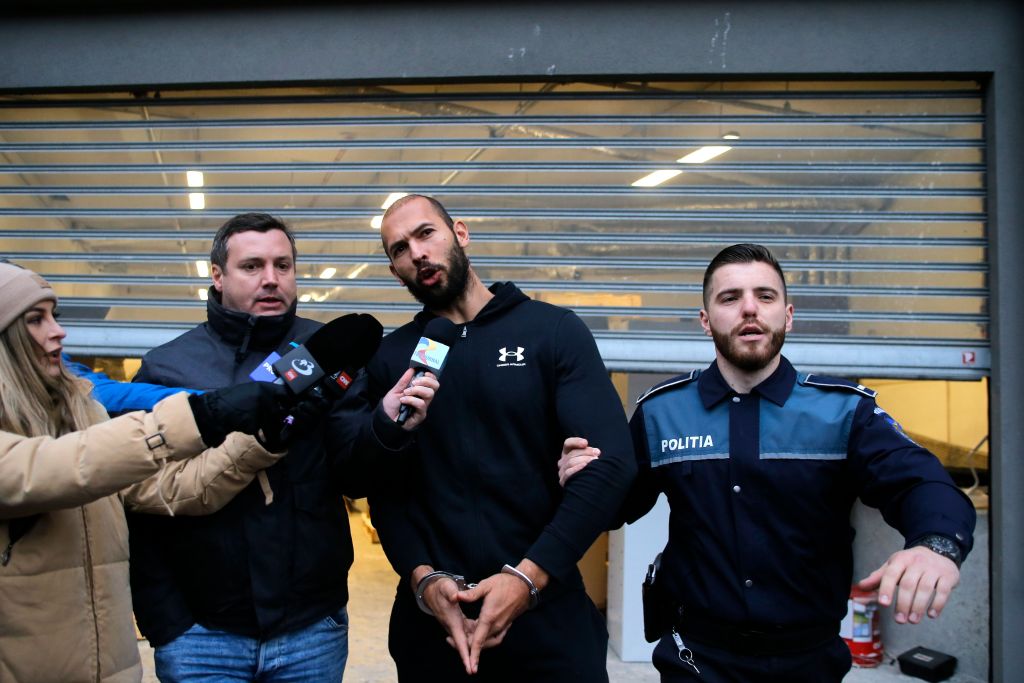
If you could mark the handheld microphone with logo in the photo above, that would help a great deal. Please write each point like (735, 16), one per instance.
(334, 352)
(326, 363)
(430, 354)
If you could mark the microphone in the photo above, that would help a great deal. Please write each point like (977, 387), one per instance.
(430, 354)
(326, 363)
(330, 356)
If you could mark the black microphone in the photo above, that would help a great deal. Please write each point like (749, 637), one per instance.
(328, 360)
(331, 354)
(431, 354)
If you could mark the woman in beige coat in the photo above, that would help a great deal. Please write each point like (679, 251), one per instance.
(66, 473)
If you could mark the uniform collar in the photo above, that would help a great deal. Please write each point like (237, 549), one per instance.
(776, 388)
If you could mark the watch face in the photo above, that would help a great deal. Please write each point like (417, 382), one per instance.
(943, 546)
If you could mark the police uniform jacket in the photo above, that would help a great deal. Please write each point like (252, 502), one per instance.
(761, 486)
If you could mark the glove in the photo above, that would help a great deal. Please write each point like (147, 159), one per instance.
(301, 418)
(250, 408)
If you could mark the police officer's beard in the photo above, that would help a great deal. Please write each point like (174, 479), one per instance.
(748, 361)
(441, 296)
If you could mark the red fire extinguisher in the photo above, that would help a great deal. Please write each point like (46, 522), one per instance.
(860, 628)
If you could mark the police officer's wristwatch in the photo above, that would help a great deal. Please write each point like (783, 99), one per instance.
(946, 547)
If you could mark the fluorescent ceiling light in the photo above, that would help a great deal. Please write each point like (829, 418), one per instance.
(357, 270)
(392, 198)
(376, 221)
(731, 135)
(196, 201)
(656, 178)
(328, 273)
(203, 294)
(194, 178)
(305, 298)
(202, 269)
(703, 154)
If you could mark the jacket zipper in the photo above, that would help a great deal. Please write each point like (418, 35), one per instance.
(90, 586)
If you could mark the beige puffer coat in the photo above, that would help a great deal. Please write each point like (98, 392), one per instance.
(65, 604)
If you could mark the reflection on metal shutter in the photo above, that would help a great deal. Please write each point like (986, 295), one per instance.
(871, 195)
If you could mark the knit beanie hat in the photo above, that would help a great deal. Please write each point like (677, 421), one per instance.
(20, 290)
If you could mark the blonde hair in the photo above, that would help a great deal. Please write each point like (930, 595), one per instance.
(34, 403)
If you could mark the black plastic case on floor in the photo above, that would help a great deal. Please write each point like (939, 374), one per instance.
(930, 665)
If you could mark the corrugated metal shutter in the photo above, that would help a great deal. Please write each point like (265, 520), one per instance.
(871, 194)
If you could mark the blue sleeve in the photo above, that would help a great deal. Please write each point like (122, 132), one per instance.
(118, 397)
(906, 482)
(644, 492)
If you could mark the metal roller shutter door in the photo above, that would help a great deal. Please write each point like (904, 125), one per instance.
(870, 193)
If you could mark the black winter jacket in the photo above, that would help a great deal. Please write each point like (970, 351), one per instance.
(253, 568)
(478, 488)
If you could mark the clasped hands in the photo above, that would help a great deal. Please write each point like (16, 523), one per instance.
(502, 598)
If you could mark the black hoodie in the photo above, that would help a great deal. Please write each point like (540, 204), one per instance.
(478, 488)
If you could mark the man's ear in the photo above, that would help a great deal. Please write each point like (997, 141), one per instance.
(461, 233)
(218, 277)
(705, 322)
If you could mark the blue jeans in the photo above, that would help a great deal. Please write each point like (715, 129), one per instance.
(314, 654)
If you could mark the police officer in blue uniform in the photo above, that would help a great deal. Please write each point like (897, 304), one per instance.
(761, 465)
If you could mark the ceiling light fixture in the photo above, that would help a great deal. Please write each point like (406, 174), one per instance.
(656, 178)
(194, 178)
(202, 268)
(699, 156)
(328, 273)
(203, 294)
(196, 201)
(376, 221)
(357, 270)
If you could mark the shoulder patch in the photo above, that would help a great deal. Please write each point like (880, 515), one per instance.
(678, 381)
(826, 382)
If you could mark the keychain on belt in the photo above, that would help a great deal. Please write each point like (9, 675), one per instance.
(685, 653)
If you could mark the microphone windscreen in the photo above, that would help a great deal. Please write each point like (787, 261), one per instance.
(346, 342)
(441, 330)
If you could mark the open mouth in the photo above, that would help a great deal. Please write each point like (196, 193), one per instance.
(54, 356)
(749, 331)
(428, 276)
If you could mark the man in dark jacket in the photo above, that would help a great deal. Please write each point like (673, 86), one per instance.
(475, 503)
(256, 591)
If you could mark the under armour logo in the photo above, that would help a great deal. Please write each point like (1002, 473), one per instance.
(506, 354)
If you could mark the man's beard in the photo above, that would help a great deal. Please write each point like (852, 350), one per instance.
(441, 296)
(748, 361)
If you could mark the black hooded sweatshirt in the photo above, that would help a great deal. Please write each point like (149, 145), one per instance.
(478, 486)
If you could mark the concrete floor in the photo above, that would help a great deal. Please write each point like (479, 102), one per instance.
(372, 588)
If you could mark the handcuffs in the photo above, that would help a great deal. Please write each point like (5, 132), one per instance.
(421, 587)
(460, 583)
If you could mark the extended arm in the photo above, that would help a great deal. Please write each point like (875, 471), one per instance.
(39, 474)
(202, 484)
(918, 498)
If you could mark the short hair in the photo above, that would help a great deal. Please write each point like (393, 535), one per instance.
(742, 253)
(246, 222)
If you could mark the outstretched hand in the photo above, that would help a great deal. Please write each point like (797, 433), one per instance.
(923, 577)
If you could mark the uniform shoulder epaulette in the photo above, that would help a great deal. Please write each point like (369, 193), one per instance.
(835, 383)
(677, 381)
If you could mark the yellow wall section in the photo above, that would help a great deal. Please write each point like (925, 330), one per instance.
(953, 414)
